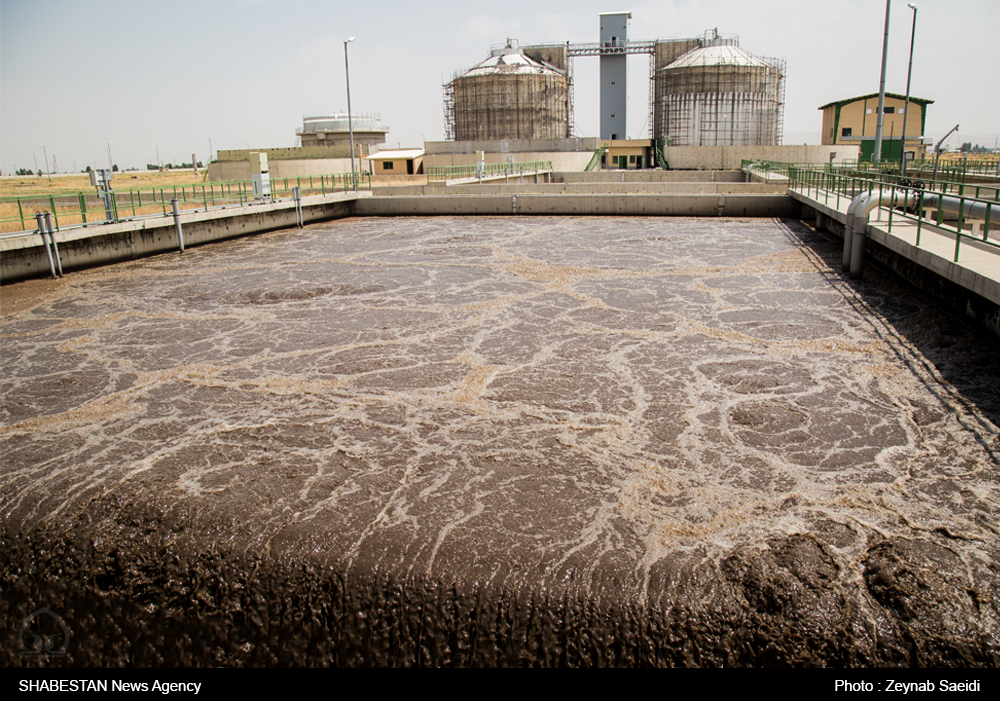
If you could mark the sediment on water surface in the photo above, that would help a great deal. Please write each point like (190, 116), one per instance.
(534, 441)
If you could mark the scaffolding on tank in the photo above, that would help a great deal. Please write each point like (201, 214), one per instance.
(720, 95)
(508, 96)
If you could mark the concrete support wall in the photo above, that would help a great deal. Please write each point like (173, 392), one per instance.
(729, 157)
(222, 171)
(511, 146)
(596, 188)
(653, 176)
(24, 257)
(561, 160)
(576, 205)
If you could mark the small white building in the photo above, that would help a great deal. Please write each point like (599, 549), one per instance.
(404, 161)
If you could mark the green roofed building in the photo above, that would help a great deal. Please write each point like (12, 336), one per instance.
(853, 122)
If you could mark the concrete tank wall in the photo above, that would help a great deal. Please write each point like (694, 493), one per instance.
(729, 157)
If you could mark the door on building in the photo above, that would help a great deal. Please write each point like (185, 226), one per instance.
(890, 150)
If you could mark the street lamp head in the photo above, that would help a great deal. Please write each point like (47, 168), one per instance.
(350, 40)
(912, 7)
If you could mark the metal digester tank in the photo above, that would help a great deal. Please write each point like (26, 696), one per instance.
(507, 96)
(719, 95)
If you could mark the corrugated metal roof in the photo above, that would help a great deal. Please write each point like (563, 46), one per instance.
(726, 55)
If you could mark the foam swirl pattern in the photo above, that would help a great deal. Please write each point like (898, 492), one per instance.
(513, 441)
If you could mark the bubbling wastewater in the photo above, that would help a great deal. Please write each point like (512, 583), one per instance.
(514, 441)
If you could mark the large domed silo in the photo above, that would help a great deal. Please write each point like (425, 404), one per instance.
(507, 96)
(719, 95)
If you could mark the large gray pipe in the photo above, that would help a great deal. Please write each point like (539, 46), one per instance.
(39, 217)
(52, 237)
(971, 209)
(849, 228)
(900, 198)
(177, 223)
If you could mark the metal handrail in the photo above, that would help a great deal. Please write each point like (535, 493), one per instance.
(471, 171)
(941, 197)
(86, 208)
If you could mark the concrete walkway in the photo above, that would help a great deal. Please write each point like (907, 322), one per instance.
(978, 265)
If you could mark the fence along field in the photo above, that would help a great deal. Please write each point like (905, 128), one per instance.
(73, 201)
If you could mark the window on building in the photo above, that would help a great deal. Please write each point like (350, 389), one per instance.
(614, 160)
(386, 165)
(631, 159)
(869, 110)
(889, 110)
(846, 131)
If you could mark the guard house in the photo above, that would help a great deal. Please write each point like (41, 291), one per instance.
(853, 122)
(627, 154)
(406, 161)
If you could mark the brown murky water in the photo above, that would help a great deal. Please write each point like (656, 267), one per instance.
(449, 441)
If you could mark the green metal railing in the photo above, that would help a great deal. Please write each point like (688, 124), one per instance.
(980, 170)
(490, 170)
(596, 158)
(17, 214)
(838, 189)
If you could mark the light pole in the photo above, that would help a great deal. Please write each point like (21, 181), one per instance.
(111, 163)
(210, 157)
(45, 154)
(877, 154)
(906, 105)
(350, 123)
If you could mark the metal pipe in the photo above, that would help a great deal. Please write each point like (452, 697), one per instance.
(902, 198)
(849, 228)
(55, 246)
(41, 230)
(970, 209)
(177, 222)
(297, 196)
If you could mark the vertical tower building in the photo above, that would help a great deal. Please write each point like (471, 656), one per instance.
(614, 97)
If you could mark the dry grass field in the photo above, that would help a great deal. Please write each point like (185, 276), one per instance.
(61, 195)
(62, 184)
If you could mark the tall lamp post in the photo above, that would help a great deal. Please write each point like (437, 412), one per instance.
(350, 123)
(906, 105)
(877, 154)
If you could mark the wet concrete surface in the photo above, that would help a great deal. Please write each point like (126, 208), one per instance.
(499, 441)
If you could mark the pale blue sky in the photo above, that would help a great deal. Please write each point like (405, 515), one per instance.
(77, 74)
